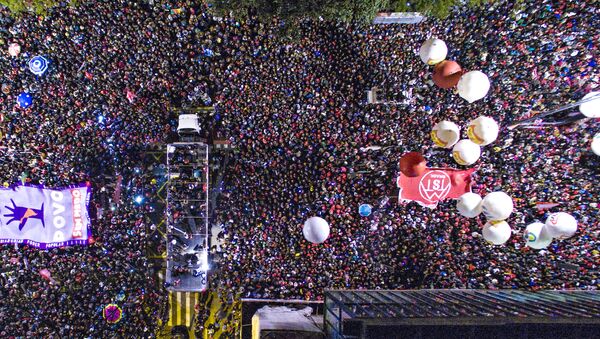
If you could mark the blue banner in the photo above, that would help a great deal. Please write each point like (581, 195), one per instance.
(45, 218)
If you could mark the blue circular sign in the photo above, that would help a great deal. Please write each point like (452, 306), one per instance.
(24, 100)
(38, 65)
(365, 210)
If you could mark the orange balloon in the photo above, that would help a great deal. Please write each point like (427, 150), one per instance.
(412, 164)
(446, 74)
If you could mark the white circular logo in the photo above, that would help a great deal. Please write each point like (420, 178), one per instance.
(435, 186)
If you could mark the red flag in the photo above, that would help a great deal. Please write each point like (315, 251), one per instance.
(434, 185)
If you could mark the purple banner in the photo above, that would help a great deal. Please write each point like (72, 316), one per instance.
(45, 218)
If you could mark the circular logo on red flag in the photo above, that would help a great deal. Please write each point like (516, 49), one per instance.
(434, 186)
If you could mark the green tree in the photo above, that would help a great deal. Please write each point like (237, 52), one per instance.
(361, 11)
(436, 8)
(37, 6)
(294, 10)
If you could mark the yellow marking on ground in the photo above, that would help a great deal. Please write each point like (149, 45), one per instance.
(182, 308)
(160, 189)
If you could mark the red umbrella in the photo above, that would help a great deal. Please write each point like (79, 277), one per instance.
(412, 164)
(446, 74)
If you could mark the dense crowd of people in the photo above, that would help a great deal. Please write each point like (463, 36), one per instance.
(299, 119)
(295, 110)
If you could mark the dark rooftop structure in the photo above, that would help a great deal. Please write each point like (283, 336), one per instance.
(462, 314)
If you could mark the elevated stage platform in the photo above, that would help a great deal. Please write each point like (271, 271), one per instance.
(187, 210)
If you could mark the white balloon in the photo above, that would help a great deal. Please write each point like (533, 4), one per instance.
(537, 237)
(316, 230)
(497, 206)
(496, 232)
(483, 131)
(596, 144)
(466, 152)
(433, 51)
(473, 86)
(591, 108)
(445, 134)
(561, 225)
(469, 205)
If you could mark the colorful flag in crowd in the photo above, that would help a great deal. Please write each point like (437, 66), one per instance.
(434, 185)
(45, 218)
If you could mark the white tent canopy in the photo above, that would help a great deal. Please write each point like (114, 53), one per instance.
(282, 318)
(188, 123)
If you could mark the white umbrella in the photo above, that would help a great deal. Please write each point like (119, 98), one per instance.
(469, 205)
(38, 65)
(561, 225)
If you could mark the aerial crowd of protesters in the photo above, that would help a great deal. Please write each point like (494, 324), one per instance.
(295, 111)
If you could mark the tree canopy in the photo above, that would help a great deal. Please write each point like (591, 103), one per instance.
(436, 8)
(36, 6)
(361, 11)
